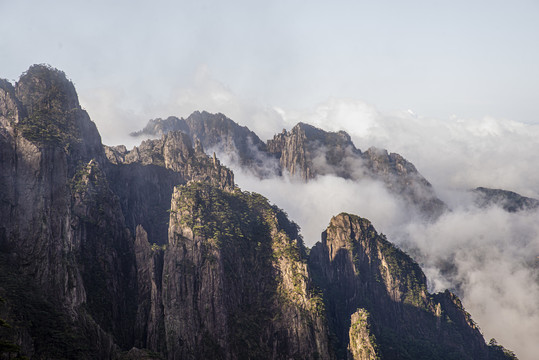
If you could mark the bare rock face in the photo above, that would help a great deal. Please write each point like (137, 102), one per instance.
(307, 152)
(60, 224)
(37, 166)
(11, 109)
(107, 262)
(219, 133)
(362, 344)
(149, 326)
(237, 283)
(360, 272)
(144, 178)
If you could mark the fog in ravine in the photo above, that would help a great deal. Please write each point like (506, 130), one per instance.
(489, 257)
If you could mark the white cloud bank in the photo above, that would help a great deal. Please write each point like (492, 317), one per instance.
(494, 253)
(495, 269)
(452, 153)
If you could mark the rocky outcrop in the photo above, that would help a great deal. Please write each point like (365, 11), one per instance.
(218, 133)
(507, 200)
(306, 151)
(401, 177)
(377, 300)
(236, 283)
(144, 178)
(60, 224)
(362, 344)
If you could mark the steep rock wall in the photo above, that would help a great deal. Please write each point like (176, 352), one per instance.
(236, 284)
(359, 269)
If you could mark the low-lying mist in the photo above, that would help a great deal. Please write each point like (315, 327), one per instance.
(489, 257)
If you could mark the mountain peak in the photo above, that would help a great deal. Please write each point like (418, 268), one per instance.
(43, 108)
(43, 86)
(379, 300)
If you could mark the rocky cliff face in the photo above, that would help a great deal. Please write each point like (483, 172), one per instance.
(144, 178)
(34, 178)
(237, 283)
(54, 222)
(378, 304)
(307, 152)
(154, 253)
(362, 342)
(217, 132)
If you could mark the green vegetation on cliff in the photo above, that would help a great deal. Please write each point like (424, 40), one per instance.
(261, 262)
(50, 100)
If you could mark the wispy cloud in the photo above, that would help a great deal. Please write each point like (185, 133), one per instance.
(453, 153)
(488, 256)
(492, 253)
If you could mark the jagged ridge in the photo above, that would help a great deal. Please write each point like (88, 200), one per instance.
(306, 152)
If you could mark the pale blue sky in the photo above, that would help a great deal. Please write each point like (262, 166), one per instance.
(469, 58)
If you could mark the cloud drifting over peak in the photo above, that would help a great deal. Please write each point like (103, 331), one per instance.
(452, 153)
(488, 256)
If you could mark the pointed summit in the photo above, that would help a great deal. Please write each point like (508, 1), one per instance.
(44, 108)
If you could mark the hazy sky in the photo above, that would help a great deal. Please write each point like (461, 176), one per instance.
(438, 58)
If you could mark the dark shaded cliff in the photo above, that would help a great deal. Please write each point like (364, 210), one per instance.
(236, 282)
(62, 233)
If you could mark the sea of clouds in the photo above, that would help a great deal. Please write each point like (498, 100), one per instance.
(487, 256)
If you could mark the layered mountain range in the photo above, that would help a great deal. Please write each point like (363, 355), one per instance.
(155, 253)
(305, 152)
